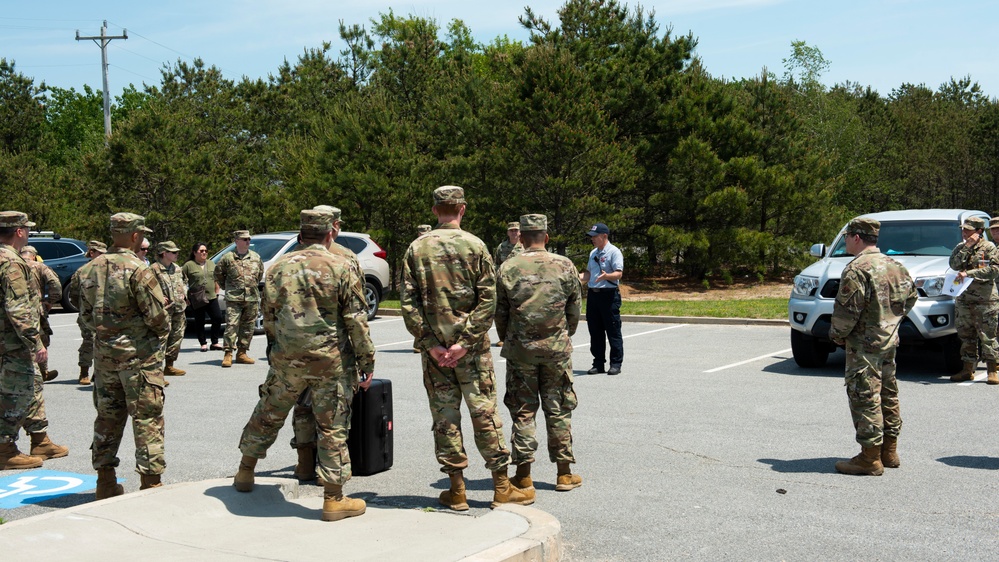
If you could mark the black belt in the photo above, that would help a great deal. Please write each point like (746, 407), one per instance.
(603, 289)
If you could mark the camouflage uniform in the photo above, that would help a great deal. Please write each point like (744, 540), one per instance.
(240, 276)
(174, 287)
(976, 309)
(122, 302)
(48, 291)
(20, 335)
(449, 297)
(506, 250)
(537, 312)
(875, 294)
(311, 303)
(86, 350)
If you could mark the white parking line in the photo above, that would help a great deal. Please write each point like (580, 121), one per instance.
(385, 319)
(654, 331)
(409, 341)
(768, 355)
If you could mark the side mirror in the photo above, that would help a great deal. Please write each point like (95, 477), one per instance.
(818, 250)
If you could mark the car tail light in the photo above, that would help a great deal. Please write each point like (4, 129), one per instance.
(380, 253)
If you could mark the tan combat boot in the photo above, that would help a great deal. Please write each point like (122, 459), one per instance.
(42, 446)
(306, 467)
(889, 452)
(13, 459)
(505, 492)
(566, 479)
(227, 359)
(965, 374)
(171, 371)
(455, 498)
(993, 370)
(149, 481)
(49, 375)
(244, 476)
(337, 506)
(522, 479)
(107, 484)
(244, 359)
(85, 376)
(868, 463)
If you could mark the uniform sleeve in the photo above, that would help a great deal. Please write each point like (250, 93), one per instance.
(267, 308)
(991, 271)
(354, 313)
(502, 307)
(958, 256)
(412, 305)
(23, 317)
(151, 302)
(220, 271)
(849, 304)
(74, 288)
(573, 304)
(260, 268)
(617, 260)
(477, 324)
(53, 288)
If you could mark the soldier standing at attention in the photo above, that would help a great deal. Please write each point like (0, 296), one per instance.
(976, 309)
(50, 293)
(239, 273)
(86, 352)
(307, 295)
(121, 301)
(537, 312)
(21, 346)
(506, 250)
(171, 279)
(420, 231)
(448, 303)
(875, 294)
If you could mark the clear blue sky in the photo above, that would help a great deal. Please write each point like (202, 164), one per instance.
(881, 43)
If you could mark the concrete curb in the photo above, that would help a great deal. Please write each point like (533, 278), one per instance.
(541, 543)
(665, 319)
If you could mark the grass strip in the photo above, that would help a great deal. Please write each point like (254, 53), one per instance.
(770, 308)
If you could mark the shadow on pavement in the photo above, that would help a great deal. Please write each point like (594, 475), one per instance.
(966, 461)
(69, 500)
(822, 465)
(266, 500)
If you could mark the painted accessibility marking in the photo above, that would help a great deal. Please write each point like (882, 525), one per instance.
(39, 485)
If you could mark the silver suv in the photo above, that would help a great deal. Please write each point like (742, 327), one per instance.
(273, 245)
(922, 241)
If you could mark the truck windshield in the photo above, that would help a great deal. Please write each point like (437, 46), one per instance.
(912, 238)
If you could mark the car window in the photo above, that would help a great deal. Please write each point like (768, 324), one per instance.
(355, 244)
(913, 238)
(266, 247)
(55, 249)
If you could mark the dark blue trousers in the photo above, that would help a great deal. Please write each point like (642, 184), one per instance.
(603, 317)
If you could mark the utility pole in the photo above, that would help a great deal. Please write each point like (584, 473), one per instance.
(104, 40)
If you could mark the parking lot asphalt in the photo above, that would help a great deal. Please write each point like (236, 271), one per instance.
(712, 444)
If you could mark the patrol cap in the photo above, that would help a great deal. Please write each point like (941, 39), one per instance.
(973, 223)
(424, 228)
(535, 223)
(29, 249)
(166, 246)
(449, 195)
(513, 225)
(97, 246)
(241, 235)
(599, 228)
(14, 219)
(316, 222)
(127, 223)
(863, 225)
(328, 209)
(993, 222)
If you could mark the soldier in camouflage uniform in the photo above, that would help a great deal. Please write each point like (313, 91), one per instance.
(21, 346)
(239, 273)
(49, 288)
(507, 249)
(420, 231)
(976, 310)
(121, 301)
(537, 312)
(875, 294)
(86, 351)
(308, 296)
(448, 303)
(174, 286)
(303, 418)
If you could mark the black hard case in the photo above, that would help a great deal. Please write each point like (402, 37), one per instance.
(370, 438)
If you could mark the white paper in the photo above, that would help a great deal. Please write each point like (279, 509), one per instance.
(954, 286)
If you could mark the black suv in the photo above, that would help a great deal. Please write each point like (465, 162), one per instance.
(63, 255)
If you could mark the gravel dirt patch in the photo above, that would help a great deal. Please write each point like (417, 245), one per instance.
(685, 289)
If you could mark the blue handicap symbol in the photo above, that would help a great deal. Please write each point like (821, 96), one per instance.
(36, 486)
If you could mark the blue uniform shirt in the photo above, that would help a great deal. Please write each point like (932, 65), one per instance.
(607, 260)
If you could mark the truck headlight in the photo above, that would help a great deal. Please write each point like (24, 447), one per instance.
(930, 286)
(804, 286)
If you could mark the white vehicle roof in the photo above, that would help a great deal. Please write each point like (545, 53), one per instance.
(925, 214)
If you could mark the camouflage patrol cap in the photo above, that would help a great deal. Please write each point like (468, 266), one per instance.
(328, 209)
(529, 223)
(14, 219)
(29, 249)
(449, 195)
(424, 228)
(863, 225)
(241, 235)
(973, 223)
(166, 246)
(97, 246)
(513, 225)
(127, 223)
(994, 222)
(316, 222)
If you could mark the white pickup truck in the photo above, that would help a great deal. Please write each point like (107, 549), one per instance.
(922, 241)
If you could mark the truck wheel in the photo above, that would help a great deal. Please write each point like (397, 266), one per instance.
(952, 354)
(809, 353)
